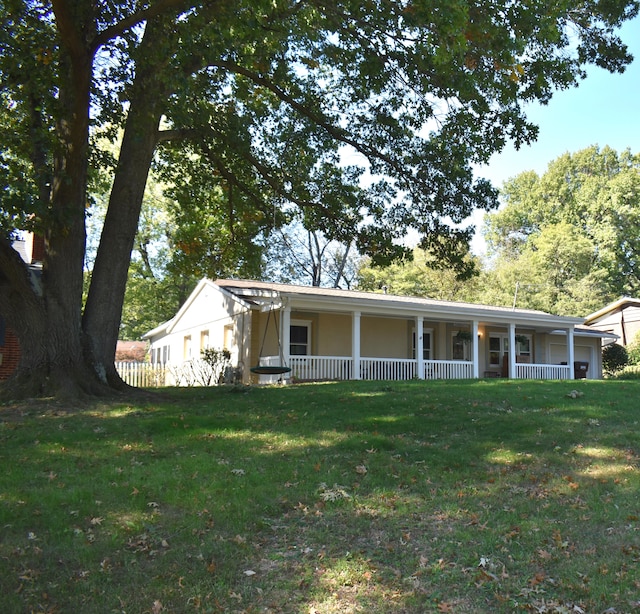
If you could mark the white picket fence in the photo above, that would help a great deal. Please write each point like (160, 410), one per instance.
(142, 374)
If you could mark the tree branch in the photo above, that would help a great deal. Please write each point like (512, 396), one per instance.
(334, 131)
(157, 8)
(69, 33)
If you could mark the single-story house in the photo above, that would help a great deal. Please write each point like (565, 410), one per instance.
(620, 318)
(312, 333)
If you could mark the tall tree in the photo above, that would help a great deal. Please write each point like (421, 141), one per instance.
(422, 274)
(300, 256)
(258, 98)
(593, 194)
(555, 271)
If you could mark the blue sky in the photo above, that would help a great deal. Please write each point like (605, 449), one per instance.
(603, 110)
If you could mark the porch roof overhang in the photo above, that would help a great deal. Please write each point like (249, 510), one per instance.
(306, 298)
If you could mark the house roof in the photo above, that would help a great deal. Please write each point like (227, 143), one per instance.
(250, 294)
(332, 298)
(618, 305)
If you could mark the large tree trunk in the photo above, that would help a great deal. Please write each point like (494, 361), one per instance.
(45, 310)
(103, 310)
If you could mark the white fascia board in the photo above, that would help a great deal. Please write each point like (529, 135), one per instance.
(161, 328)
(202, 284)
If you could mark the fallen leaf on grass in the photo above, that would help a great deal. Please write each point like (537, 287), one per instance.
(537, 579)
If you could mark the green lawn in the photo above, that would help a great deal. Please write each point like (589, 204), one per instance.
(485, 496)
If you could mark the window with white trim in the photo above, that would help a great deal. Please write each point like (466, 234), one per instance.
(228, 337)
(499, 347)
(299, 338)
(523, 347)
(204, 340)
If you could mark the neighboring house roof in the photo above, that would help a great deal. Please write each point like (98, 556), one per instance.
(23, 247)
(618, 305)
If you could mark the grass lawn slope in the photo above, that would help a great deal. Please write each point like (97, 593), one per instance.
(373, 497)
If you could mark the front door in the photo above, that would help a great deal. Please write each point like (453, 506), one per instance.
(498, 352)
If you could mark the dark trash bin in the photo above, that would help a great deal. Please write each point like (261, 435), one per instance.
(580, 369)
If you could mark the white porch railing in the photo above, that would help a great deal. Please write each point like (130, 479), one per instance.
(272, 361)
(321, 367)
(316, 368)
(388, 368)
(533, 371)
(448, 369)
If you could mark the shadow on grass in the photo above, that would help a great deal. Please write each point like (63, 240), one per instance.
(359, 496)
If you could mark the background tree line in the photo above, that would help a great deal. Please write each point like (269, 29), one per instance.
(566, 242)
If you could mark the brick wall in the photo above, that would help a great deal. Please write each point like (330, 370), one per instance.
(10, 354)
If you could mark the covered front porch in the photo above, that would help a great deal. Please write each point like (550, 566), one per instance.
(372, 346)
(318, 368)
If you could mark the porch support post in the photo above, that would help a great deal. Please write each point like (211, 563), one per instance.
(355, 345)
(285, 327)
(512, 351)
(419, 347)
(570, 352)
(475, 349)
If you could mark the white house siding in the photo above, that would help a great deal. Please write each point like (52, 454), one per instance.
(203, 321)
(613, 322)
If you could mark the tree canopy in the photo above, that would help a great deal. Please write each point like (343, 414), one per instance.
(573, 231)
(421, 275)
(257, 102)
